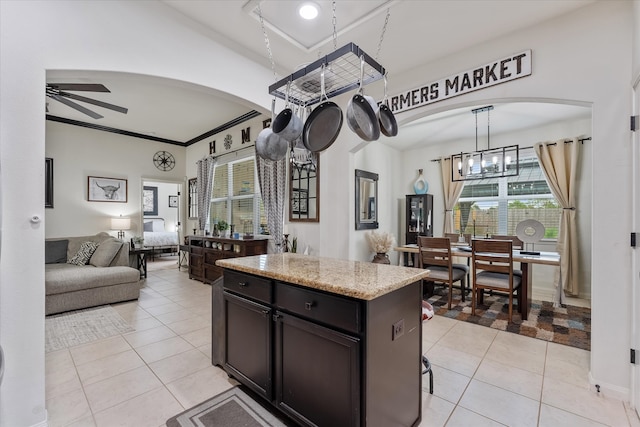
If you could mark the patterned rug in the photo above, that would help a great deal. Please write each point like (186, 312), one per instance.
(232, 408)
(568, 325)
(82, 326)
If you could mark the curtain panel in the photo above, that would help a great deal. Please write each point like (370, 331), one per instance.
(272, 178)
(559, 161)
(204, 184)
(451, 191)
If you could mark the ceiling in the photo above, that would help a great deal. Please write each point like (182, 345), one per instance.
(181, 113)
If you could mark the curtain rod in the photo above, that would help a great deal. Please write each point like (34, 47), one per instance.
(567, 141)
(231, 152)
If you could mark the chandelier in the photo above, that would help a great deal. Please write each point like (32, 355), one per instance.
(490, 163)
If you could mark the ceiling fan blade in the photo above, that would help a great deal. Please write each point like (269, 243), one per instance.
(95, 102)
(75, 106)
(87, 87)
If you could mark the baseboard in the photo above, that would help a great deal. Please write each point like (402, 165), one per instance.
(609, 390)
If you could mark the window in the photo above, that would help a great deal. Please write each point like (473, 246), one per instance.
(496, 205)
(236, 197)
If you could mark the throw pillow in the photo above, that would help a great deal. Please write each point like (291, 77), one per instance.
(105, 253)
(148, 226)
(83, 255)
(55, 251)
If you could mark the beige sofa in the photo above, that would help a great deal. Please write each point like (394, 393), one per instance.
(105, 278)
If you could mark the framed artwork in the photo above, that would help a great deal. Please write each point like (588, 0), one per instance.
(101, 189)
(193, 198)
(173, 201)
(299, 201)
(48, 182)
(150, 200)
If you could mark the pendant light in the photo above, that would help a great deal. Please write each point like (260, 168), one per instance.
(489, 163)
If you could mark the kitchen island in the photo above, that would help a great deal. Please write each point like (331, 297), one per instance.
(328, 342)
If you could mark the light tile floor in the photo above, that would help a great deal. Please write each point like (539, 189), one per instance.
(482, 377)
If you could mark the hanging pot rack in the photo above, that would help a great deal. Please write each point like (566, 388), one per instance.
(344, 64)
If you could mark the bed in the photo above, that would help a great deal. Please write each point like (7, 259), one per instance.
(157, 238)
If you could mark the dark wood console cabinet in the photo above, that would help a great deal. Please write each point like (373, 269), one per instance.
(419, 217)
(204, 251)
(321, 358)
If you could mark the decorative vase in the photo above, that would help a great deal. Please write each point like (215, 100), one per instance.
(381, 258)
(420, 186)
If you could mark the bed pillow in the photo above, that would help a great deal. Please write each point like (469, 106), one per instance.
(158, 225)
(83, 255)
(148, 226)
(55, 251)
(105, 253)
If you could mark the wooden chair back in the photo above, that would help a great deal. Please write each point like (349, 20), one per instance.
(434, 251)
(517, 243)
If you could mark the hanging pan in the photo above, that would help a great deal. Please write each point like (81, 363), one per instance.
(388, 123)
(269, 145)
(361, 113)
(323, 124)
(287, 124)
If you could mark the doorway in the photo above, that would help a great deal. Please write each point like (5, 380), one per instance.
(161, 213)
(635, 260)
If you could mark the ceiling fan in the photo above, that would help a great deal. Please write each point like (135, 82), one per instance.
(57, 91)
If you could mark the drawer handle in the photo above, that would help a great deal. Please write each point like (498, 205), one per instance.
(242, 283)
(308, 305)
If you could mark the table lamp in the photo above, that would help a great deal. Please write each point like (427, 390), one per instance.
(120, 223)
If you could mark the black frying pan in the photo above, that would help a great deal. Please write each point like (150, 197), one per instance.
(388, 123)
(323, 124)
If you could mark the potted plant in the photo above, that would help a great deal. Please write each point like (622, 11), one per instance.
(380, 242)
(138, 241)
(223, 226)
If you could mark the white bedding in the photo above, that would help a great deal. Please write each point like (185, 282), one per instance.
(160, 238)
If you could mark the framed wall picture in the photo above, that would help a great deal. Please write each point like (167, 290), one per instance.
(299, 201)
(101, 189)
(150, 200)
(48, 182)
(173, 201)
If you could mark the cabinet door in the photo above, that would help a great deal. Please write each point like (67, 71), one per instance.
(248, 339)
(317, 373)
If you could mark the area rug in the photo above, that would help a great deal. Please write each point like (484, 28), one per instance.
(82, 326)
(232, 408)
(568, 325)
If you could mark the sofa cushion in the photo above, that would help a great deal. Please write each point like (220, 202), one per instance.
(55, 251)
(105, 252)
(83, 255)
(63, 278)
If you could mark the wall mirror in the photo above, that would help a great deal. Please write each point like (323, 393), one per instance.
(304, 187)
(366, 200)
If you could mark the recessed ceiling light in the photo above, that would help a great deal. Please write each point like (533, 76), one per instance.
(308, 10)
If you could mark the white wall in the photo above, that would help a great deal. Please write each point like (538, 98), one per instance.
(584, 56)
(79, 152)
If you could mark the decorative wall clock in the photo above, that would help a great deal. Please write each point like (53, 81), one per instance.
(164, 160)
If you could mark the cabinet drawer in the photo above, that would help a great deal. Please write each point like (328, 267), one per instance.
(250, 286)
(329, 309)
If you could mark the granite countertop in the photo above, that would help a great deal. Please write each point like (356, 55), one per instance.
(362, 280)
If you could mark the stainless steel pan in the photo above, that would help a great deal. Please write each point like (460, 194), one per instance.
(361, 115)
(271, 146)
(287, 124)
(323, 124)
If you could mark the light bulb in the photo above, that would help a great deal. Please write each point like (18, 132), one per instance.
(507, 160)
(483, 163)
(495, 160)
(308, 11)
(470, 161)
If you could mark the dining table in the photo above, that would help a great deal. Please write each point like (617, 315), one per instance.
(526, 262)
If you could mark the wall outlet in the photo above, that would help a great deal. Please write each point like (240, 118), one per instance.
(398, 330)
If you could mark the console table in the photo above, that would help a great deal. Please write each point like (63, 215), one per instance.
(204, 251)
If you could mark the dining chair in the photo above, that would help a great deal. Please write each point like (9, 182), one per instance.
(517, 243)
(434, 253)
(493, 270)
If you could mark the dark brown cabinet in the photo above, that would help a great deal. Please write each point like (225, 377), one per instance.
(248, 352)
(321, 358)
(204, 251)
(419, 217)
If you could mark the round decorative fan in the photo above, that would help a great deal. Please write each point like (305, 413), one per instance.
(164, 160)
(530, 231)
